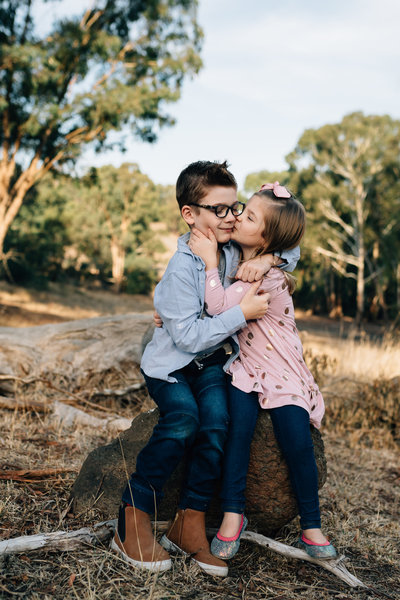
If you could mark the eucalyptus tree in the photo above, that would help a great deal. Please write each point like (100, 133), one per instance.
(116, 65)
(110, 215)
(353, 192)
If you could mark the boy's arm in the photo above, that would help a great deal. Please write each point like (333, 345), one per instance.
(179, 306)
(180, 314)
(291, 258)
(256, 268)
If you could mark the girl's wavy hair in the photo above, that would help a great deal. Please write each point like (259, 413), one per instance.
(285, 223)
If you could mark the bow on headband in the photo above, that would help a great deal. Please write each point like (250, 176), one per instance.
(278, 190)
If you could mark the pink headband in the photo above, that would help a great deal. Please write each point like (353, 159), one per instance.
(278, 190)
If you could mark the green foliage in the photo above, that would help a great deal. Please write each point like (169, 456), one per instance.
(254, 181)
(96, 227)
(141, 276)
(347, 175)
(351, 193)
(109, 217)
(39, 236)
(168, 210)
(115, 66)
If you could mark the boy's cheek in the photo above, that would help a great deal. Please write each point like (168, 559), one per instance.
(222, 236)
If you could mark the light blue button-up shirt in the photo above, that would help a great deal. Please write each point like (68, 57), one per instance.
(179, 300)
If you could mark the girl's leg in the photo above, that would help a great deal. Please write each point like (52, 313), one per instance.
(243, 412)
(292, 430)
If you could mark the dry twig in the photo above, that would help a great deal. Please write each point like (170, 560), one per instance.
(28, 475)
(101, 532)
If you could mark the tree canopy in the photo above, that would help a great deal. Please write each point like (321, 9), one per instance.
(349, 183)
(115, 66)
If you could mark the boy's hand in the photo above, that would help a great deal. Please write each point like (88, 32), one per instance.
(255, 268)
(205, 246)
(254, 304)
(157, 319)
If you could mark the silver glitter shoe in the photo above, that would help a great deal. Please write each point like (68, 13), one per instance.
(226, 548)
(321, 551)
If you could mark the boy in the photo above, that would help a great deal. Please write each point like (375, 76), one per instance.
(183, 369)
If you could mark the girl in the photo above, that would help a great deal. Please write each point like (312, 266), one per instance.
(270, 371)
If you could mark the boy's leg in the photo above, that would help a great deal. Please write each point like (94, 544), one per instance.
(292, 431)
(172, 436)
(209, 387)
(175, 431)
(187, 532)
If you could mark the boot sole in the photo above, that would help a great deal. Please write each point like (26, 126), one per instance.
(155, 566)
(210, 569)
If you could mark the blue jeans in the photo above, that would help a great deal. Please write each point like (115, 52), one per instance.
(292, 431)
(193, 422)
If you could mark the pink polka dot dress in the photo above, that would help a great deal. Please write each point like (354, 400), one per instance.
(271, 353)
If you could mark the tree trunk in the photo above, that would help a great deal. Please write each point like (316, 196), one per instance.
(118, 263)
(360, 200)
(398, 286)
(78, 353)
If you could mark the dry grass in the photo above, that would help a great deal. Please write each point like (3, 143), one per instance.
(360, 505)
(361, 359)
(360, 502)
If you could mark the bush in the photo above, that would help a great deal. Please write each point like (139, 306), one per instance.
(141, 275)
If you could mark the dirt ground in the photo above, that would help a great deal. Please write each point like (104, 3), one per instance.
(360, 502)
(23, 307)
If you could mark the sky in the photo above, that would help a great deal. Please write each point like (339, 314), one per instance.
(271, 70)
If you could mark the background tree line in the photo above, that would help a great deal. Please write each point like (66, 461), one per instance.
(347, 175)
(98, 226)
(116, 68)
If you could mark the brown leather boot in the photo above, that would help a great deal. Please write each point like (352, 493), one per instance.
(135, 543)
(187, 535)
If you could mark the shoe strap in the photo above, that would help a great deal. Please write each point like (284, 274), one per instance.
(310, 543)
(234, 537)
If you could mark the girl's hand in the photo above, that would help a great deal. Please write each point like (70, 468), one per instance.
(255, 268)
(157, 320)
(205, 246)
(255, 304)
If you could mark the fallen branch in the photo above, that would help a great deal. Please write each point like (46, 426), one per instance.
(122, 392)
(66, 414)
(76, 397)
(28, 475)
(69, 415)
(60, 540)
(334, 566)
(14, 404)
(102, 532)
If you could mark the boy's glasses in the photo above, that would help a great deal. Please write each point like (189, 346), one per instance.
(221, 210)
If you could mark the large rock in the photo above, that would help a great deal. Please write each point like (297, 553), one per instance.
(270, 500)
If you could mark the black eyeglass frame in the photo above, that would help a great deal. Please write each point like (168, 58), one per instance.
(228, 208)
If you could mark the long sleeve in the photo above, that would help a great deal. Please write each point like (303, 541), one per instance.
(217, 299)
(291, 257)
(178, 303)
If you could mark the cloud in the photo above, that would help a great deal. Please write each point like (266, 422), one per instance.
(280, 56)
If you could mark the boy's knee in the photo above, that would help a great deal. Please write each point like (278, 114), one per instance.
(215, 436)
(181, 426)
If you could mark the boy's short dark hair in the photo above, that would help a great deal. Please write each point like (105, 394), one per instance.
(197, 178)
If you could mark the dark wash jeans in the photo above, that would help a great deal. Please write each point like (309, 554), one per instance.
(292, 431)
(194, 422)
